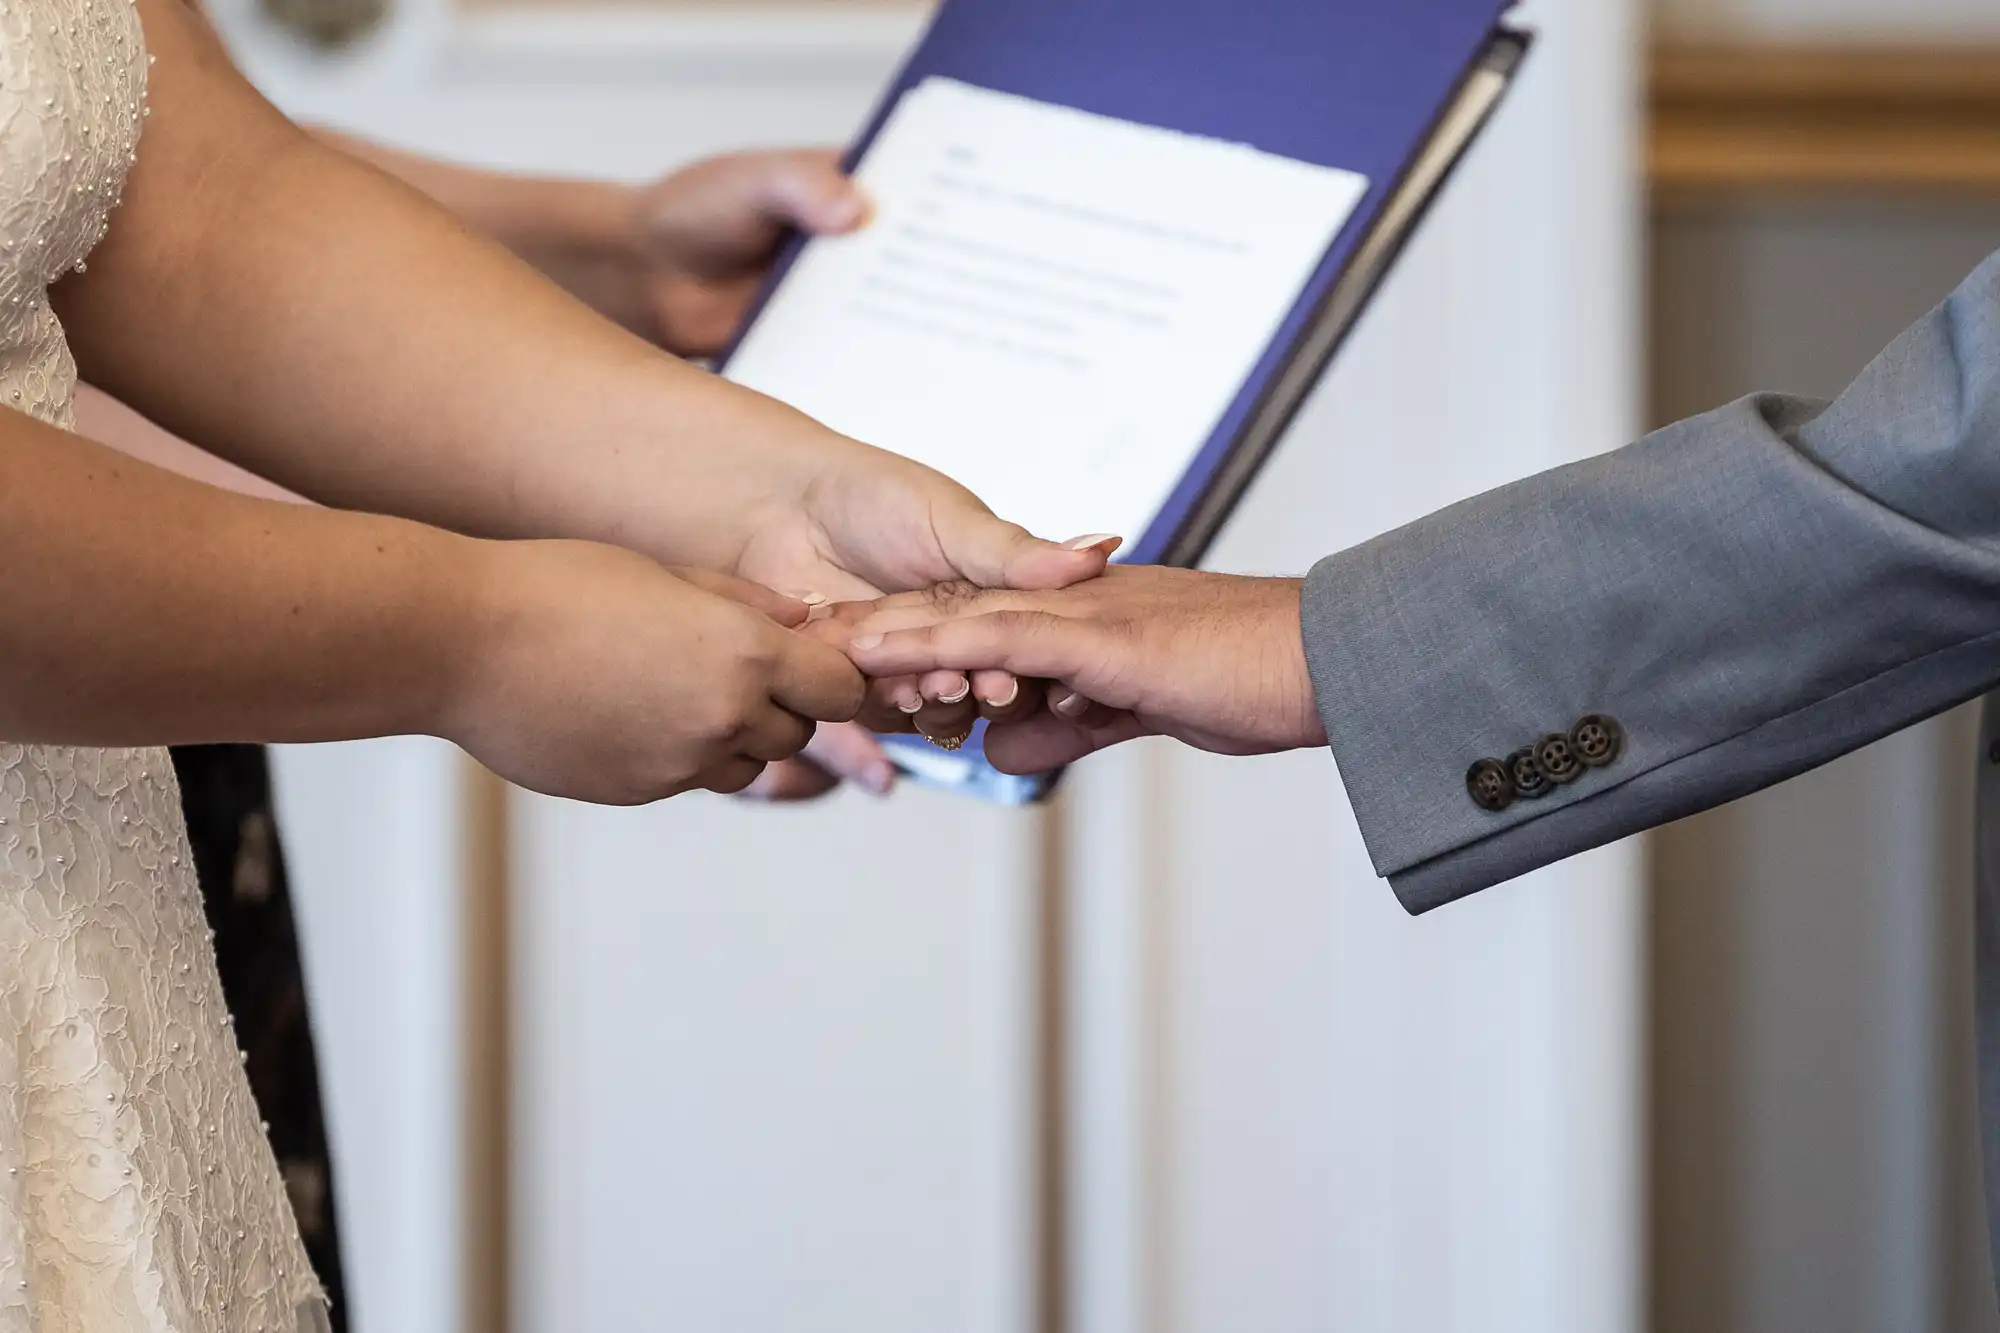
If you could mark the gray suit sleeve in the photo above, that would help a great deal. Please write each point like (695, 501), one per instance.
(1749, 594)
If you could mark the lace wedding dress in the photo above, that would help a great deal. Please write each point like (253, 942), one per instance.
(137, 1192)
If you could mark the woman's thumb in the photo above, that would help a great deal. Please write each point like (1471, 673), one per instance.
(998, 554)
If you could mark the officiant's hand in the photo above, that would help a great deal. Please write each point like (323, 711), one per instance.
(1214, 660)
(704, 237)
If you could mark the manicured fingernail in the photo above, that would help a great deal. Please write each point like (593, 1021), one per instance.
(865, 642)
(1070, 705)
(911, 703)
(818, 612)
(1106, 540)
(809, 598)
(959, 691)
(846, 211)
(1013, 693)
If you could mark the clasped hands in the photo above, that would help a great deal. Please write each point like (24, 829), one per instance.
(1213, 660)
(673, 678)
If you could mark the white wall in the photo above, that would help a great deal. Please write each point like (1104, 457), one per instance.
(776, 1067)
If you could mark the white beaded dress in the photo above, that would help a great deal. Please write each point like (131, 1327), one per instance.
(137, 1192)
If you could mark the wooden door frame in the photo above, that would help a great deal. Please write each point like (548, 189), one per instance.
(1730, 120)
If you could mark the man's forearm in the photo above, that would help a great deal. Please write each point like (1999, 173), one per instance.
(1722, 605)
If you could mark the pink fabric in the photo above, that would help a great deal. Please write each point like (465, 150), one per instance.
(104, 419)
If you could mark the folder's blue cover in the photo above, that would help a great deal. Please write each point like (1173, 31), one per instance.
(1355, 84)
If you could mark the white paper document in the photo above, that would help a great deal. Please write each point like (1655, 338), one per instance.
(1053, 307)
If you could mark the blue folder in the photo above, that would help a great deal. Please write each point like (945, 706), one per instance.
(1394, 90)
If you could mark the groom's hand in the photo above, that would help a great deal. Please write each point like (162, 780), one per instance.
(1214, 660)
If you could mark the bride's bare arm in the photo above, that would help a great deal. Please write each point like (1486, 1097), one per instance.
(142, 608)
(160, 610)
(327, 327)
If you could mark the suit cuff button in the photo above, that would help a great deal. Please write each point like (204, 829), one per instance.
(1597, 740)
(1529, 779)
(1490, 785)
(1557, 758)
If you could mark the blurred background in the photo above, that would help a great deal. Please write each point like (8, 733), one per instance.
(1165, 1057)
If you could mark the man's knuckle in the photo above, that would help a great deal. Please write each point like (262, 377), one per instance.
(956, 594)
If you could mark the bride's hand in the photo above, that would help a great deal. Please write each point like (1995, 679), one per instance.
(862, 522)
(597, 674)
(839, 751)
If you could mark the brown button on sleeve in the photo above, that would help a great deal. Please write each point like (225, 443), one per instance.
(1558, 758)
(1529, 780)
(1489, 784)
(1597, 740)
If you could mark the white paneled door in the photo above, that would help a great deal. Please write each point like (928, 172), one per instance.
(777, 1071)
